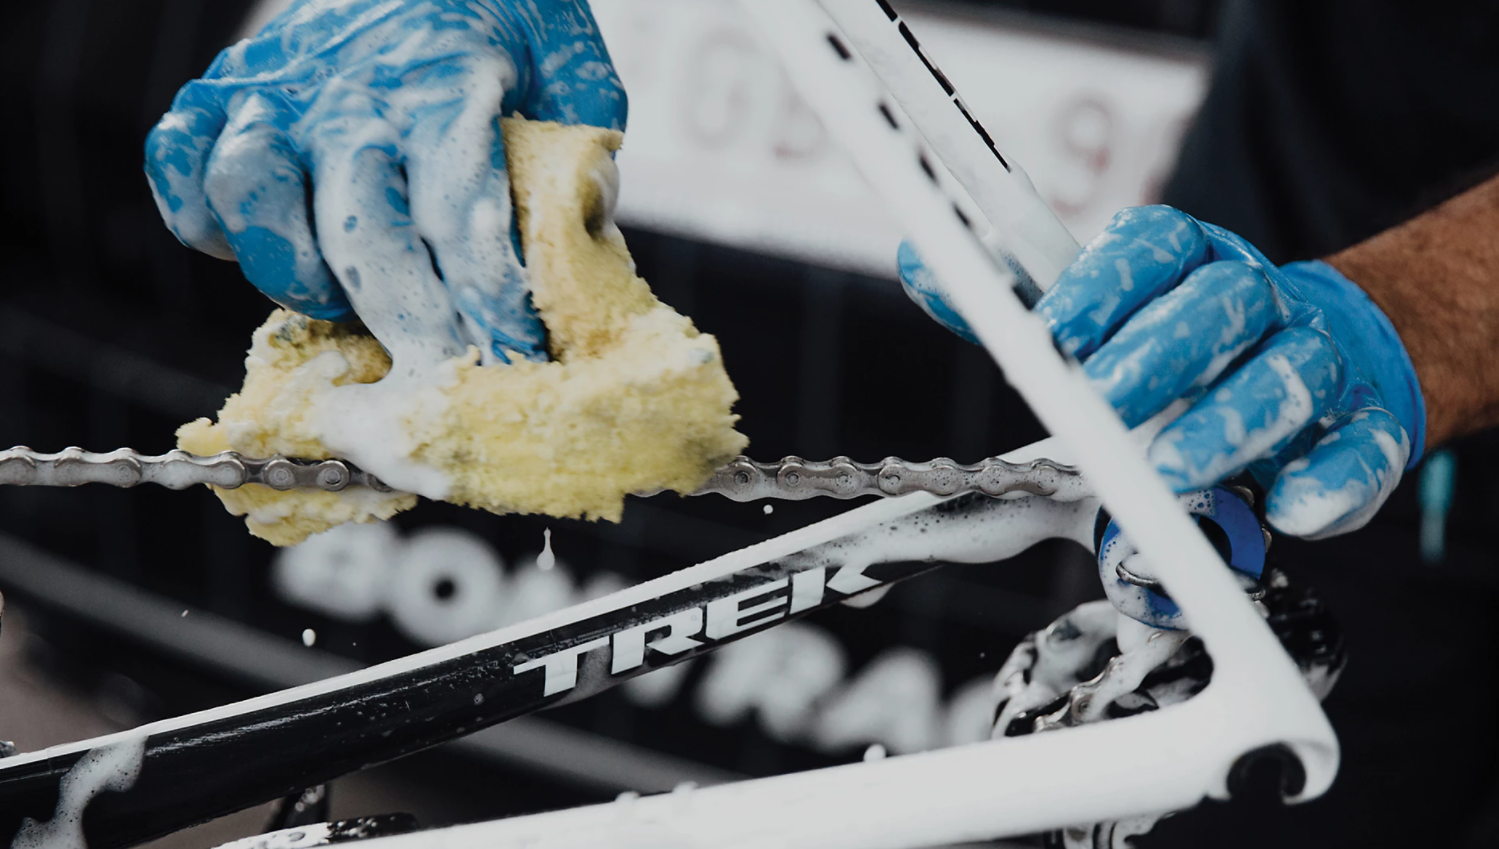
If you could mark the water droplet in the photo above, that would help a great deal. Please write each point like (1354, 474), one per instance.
(478, 698)
(309, 637)
(184, 614)
(769, 508)
(876, 752)
(685, 787)
(627, 797)
(546, 560)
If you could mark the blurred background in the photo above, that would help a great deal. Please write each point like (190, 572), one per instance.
(127, 606)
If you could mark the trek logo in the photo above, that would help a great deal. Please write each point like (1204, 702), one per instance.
(686, 630)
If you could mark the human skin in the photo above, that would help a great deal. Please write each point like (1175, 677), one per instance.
(1437, 279)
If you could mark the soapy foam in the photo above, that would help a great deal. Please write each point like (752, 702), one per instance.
(1127, 670)
(1044, 665)
(983, 531)
(352, 505)
(374, 425)
(113, 767)
(546, 561)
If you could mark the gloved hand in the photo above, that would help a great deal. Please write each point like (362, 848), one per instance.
(350, 157)
(1293, 373)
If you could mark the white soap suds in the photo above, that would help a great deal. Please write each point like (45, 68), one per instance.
(375, 425)
(1126, 672)
(1045, 664)
(114, 767)
(980, 532)
(360, 501)
(1131, 633)
(309, 637)
(867, 599)
(546, 561)
(1126, 274)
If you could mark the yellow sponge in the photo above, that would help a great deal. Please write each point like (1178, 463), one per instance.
(634, 400)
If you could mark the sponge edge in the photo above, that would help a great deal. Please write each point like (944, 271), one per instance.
(635, 399)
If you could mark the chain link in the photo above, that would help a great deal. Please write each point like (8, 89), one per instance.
(177, 470)
(793, 478)
(796, 479)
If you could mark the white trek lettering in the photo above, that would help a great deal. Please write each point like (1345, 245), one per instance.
(630, 644)
(561, 666)
(807, 589)
(723, 617)
(726, 618)
(851, 580)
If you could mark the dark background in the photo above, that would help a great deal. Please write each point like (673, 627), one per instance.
(111, 333)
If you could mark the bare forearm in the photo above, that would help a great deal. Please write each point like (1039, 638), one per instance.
(1437, 278)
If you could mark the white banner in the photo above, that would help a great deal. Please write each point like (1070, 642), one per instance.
(720, 148)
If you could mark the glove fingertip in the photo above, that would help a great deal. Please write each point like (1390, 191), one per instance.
(338, 314)
(915, 277)
(908, 259)
(1343, 481)
(175, 153)
(1309, 512)
(1300, 506)
(323, 298)
(923, 287)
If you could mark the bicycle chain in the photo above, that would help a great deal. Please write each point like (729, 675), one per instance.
(793, 478)
(124, 467)
(796, 479)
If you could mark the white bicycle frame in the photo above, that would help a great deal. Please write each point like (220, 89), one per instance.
(1151, 763)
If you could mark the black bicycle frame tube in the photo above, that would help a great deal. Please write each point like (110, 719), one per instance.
(204, 765)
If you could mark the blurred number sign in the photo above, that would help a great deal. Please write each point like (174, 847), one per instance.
(721, 149)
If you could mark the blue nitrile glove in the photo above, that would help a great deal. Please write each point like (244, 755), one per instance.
(349, 156)
(1293, 372)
